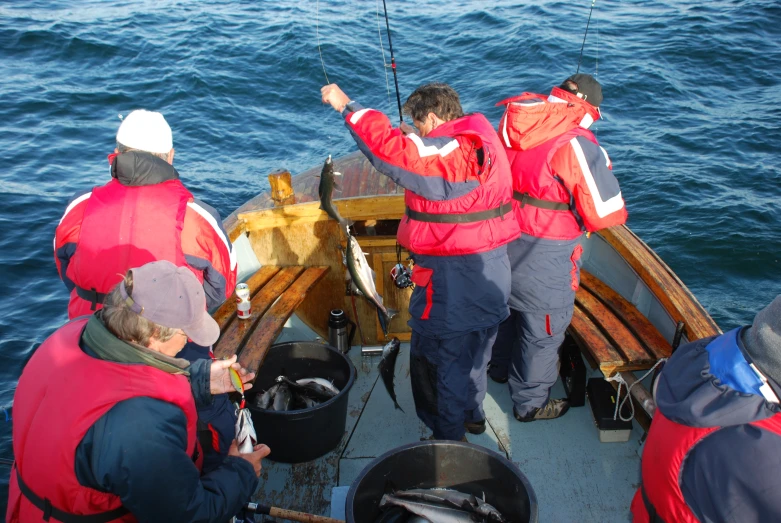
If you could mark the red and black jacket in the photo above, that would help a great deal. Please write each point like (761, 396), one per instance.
(143, 214)
(562, 179)
(61, 394)
(457, 180)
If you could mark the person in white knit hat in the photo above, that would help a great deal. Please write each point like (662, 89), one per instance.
(713, 451)
(144, 213)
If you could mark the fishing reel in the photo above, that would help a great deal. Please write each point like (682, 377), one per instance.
(402, 276)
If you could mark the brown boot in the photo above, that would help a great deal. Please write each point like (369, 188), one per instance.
(551, 410)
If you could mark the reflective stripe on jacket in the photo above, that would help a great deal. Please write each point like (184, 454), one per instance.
(143, 214)
(555, 159)
(459, 168)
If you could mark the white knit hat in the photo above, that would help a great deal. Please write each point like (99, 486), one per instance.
(146, 131)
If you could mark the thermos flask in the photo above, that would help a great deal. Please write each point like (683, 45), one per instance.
(338, 337)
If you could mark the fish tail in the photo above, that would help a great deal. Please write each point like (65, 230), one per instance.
(398, 406)
(391, 313)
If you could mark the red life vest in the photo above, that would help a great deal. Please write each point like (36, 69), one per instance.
(62, 392)
(494, 193)
(667, 446)
(532, 175)
(125, 227)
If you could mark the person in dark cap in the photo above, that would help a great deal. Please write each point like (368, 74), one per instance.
(713, 451)
(563, 187)
(105, 414)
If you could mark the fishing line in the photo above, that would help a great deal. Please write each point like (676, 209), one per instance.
(382, 50)
(393, 60)
(317, 32)
(584, 35)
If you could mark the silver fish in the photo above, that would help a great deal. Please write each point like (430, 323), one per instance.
(320, 381)
(450, 497)
(455, 499)
(246, 438)
(283, 397)
(325, 190)
(432, 512)
(387, 367)
(362, 277)
(313, 390)
(263, 401)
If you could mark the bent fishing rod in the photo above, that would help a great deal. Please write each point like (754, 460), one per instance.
(393, 61)
(584, 35)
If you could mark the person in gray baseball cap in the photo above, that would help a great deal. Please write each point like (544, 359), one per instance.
(105, 414)
(714, 447)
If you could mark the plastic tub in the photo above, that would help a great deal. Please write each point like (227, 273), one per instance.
(443, 464)
(302, 435)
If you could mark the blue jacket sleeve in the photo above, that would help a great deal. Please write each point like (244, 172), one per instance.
(137, 451)
(732, 476)
(200, 382)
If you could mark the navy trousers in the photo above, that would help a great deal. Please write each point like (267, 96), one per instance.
(449, 380)
(216, 423)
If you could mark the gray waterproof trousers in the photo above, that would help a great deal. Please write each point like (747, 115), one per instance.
(545, 276)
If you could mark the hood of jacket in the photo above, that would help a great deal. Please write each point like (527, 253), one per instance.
(532, 119)
(688, 393)
(137, 168)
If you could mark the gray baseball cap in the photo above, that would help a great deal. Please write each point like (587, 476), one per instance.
(173, 297)
(762, 341)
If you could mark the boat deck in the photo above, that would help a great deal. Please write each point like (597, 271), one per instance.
(574, 475)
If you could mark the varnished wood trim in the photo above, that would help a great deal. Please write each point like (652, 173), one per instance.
(388, 207)
(674, 296)
(270, 325)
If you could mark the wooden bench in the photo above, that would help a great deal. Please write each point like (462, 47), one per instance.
(614, 336)
(275, 293)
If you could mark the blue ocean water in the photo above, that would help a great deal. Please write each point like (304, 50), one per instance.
(692, 120)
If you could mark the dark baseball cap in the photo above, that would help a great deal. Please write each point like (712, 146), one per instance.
(588, 88)
(173, 297)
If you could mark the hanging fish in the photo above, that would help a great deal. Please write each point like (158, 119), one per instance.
(246, 438)
(362, 277)
(325, 190)
(387, 367)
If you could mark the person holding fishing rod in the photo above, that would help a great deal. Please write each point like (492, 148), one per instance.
(457, 224)
(563, 186)
(105, 415)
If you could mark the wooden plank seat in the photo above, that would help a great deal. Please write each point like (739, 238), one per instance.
(275, 293)
(615, 336)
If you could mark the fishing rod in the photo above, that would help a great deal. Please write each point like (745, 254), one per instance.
(393, 61)
(290, 515)
(584, 36)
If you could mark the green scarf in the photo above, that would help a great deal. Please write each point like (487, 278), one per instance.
(110, 348)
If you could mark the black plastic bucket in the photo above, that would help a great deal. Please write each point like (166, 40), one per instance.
(443, 464)
(302, 435)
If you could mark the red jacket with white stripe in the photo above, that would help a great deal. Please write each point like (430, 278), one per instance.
(554, 158)
(143, 214)
(460, 168)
